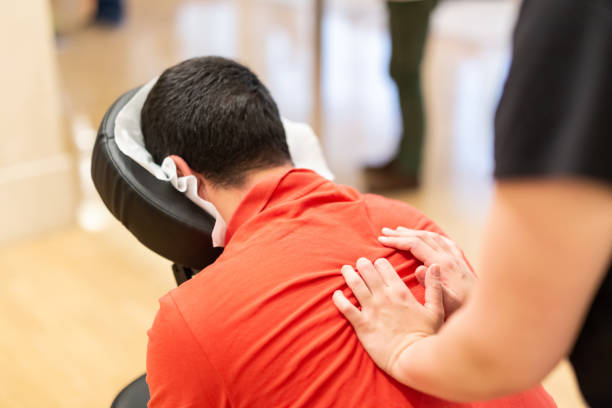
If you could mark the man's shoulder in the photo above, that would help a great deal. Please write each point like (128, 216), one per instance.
(391, 213)
(380, 202)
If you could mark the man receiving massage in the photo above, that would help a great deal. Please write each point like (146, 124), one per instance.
(256, 328)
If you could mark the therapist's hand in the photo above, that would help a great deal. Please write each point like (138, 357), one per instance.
(390, 319)
(456, 276)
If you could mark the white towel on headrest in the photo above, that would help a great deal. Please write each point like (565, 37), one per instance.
(303, 146)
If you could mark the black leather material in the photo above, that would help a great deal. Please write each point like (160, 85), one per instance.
(163, 219)
(135, 395)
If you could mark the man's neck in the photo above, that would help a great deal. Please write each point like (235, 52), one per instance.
(227, 200)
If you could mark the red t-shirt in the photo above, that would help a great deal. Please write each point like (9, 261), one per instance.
(258, 328)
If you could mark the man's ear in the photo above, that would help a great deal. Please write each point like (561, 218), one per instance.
(183, 169)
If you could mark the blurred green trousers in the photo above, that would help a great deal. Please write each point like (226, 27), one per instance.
(408, 25)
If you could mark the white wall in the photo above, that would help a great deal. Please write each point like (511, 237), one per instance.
(37, 189)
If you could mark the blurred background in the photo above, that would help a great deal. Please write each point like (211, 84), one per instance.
(78, 291)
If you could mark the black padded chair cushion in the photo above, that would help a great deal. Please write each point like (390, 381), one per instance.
(163, 219)
(134, 395)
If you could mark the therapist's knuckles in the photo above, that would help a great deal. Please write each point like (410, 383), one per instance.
(346, 269)
(382, 263)
(364, 264)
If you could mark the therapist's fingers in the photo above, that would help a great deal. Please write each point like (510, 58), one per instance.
(419, 273)
(433, 292)
(430, 238)
(429, 247)
(450, 246)
(370, 275)
(388, 273)
(417, 247)
(356, 284)
(400, 231)
(436, 241)
(348, 310)
(392, 231)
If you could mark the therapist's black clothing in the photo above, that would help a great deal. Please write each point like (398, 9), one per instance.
(555, 120)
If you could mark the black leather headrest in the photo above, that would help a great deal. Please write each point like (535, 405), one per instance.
(163, 219)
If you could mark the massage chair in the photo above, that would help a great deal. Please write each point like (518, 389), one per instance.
(159, 216)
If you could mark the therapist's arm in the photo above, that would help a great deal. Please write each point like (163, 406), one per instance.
(546, 249)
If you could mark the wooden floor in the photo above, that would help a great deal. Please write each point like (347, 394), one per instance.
(75, 305)
(75, 308)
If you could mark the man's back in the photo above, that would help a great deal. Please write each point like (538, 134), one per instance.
(258, 328)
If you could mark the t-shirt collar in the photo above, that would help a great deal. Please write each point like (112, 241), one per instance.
(261, 193)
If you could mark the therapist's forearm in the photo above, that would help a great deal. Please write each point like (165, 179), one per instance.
(541, 266)
(457, 365)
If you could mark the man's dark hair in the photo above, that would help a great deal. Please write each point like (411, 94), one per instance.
(217, 116)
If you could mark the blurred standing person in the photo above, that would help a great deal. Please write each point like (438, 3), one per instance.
(408, 26)
(110, 12)
(546, 272)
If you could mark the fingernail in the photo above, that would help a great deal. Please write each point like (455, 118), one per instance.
(362, 260)
(386, 230)
(383, 238)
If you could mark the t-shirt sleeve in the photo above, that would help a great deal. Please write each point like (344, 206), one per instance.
(179, 373)
(555, 115)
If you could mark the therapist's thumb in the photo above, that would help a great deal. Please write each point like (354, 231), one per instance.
(433, 292)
